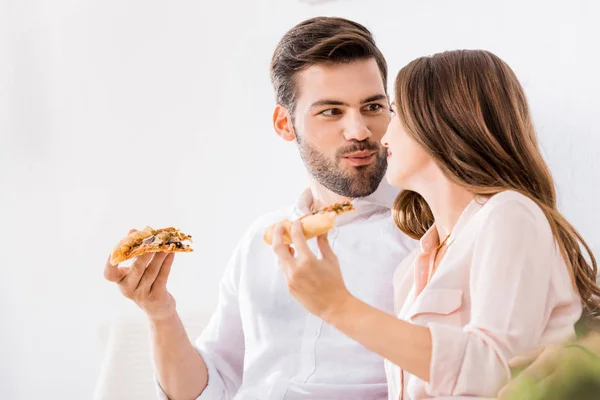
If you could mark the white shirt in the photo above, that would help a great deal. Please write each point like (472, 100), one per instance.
(262, 344)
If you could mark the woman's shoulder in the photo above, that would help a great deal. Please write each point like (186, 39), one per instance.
(515, 213)
(512, 203)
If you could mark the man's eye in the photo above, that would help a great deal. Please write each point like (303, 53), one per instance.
(374, 107)
(331, 112)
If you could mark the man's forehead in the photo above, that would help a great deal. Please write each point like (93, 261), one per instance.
(353, 81)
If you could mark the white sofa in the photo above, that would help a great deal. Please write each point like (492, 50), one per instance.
(126, 372)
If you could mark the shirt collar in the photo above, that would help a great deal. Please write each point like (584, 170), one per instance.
(304, 202)
(430, 239)
(383, 197)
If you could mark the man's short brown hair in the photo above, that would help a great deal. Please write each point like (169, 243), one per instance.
(321, 40)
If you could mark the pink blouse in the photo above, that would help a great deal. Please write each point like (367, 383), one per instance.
(501, 288)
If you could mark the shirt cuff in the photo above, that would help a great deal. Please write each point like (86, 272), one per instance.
(214, 390)
(448, 348)
(160, 395)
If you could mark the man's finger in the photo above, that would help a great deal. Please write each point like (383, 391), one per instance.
(163, 274)
(299, 240)
(113, 273)
(542, 366)
(151, 272)
(325, 248)
(515, 386)
(525, 358)
(137, 270)
(541, 363)
(549, 380)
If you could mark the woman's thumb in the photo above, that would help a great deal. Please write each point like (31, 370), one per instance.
(326, 251)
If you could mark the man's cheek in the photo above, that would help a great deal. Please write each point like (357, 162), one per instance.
(380, 132)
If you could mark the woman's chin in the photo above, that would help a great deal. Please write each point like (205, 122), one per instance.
(393, 180)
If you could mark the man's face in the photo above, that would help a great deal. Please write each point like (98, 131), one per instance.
(342, 112)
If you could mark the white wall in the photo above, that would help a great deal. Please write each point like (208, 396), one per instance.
(120, 114)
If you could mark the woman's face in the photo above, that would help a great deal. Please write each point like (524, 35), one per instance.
(408, 163)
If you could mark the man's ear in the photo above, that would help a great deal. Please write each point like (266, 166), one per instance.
(282, 122)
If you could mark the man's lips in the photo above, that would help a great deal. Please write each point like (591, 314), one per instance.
(360, 154)
(360, 157)
(389, 154)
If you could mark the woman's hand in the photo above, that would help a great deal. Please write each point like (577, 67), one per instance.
(316, 283)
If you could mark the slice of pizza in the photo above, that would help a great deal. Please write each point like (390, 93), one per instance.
(170, 240)
(314, 224)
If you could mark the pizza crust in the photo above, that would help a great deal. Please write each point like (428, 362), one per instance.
(313, 225)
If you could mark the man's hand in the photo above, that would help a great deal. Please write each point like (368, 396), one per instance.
(145, 282)
(541, 367)
(316, 283)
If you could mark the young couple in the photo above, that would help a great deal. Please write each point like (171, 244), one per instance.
(496, 271)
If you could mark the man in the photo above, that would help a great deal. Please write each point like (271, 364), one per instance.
(330, 83)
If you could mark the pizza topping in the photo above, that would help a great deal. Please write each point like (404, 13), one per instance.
(338, 208)
(149, 240)
(176, 242)
(164, 238)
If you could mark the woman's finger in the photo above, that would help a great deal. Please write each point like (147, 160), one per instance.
(283, 251)
(325, 248)
(299, 240)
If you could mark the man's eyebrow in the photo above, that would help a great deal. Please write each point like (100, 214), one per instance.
(377, 97)
(328, 102)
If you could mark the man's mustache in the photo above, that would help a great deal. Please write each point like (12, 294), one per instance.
(359, 146)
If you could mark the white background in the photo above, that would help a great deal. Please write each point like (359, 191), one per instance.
(118, 114)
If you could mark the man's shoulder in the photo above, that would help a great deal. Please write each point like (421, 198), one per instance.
(266, 220)
(257, 228)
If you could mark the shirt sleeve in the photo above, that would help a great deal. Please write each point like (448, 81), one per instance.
(512, 263)
(221, 344)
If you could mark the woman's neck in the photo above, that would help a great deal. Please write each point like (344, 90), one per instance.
(447, 201)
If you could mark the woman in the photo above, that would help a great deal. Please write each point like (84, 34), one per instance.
(499, 269)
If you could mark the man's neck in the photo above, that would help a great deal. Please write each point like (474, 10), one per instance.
(322, 196)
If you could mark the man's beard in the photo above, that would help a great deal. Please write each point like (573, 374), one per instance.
(360, 182)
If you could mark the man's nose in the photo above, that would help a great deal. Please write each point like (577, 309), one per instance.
(355, 128)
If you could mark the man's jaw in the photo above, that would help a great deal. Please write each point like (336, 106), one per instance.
(323, 196)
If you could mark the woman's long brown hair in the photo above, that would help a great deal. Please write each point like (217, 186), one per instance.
(467, 109)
